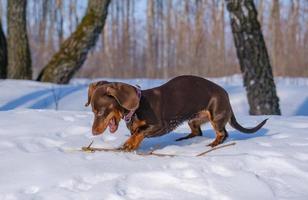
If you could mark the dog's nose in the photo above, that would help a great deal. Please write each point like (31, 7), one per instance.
(95, 132)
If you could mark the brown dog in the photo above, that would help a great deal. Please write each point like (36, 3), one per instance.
(157, 111)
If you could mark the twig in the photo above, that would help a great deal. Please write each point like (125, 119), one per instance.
(90, 149)
(152, 153)
(90, 144)
(55, 97)
(215, 148)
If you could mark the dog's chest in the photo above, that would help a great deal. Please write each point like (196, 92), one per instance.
(153, 130)
(136, 125)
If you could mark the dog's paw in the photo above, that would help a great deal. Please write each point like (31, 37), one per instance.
(128, 147)
(213, 144)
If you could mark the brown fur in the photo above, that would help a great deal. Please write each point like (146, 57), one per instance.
(92, 88)
(162, 109)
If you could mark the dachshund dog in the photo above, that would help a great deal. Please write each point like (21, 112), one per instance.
(157, 111)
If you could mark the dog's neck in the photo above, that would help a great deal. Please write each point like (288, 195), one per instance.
(135, 124)
(127, 118)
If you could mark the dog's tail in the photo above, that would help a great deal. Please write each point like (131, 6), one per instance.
(238, 127)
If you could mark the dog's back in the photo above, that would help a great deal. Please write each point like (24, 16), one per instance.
(180, 99)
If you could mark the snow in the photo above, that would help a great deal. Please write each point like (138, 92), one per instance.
(39, 157)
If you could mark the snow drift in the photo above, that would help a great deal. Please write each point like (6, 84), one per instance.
(43, 125)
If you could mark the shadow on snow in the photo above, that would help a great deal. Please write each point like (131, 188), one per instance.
(303, 108)
(207, 135)
(52, 96)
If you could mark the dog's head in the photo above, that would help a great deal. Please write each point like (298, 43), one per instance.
(109, 102)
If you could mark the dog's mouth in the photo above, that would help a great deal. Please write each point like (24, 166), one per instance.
(113, 125)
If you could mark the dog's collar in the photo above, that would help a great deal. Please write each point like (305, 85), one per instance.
(127, 118)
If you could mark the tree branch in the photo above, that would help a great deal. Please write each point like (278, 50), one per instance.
(90, 149)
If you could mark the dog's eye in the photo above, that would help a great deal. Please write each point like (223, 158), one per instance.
(101, 112)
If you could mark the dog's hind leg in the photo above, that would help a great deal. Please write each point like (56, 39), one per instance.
(195, 124)
(221, 136)
(219, 122)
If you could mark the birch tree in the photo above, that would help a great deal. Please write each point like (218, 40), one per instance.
(253, 58)
(73, 51)
(3, 54)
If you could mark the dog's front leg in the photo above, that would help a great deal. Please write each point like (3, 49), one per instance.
(133, 142)
(139, 131)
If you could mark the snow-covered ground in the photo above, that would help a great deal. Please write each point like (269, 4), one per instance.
(39, 157)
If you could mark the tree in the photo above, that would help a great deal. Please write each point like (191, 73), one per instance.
(19, 56)
(73, 52)
(253, 58)
(150, 55)
(276, 35)
(3, 54)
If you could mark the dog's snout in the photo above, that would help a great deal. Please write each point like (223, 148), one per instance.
(96, 131)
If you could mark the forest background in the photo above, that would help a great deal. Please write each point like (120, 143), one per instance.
(162, 39)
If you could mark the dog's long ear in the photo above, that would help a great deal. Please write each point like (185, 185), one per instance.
(92, 88)
(125, 94)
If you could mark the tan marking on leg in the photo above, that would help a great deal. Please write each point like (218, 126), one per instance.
(195, 127)
(219, 128)
(218, 140)
(194, 124)
(133, 142)
(135, 125)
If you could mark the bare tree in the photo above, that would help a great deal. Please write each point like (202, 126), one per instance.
(198, 35)
(59, 19)
(134, 46)
(73, 52)
(43, 22)
(150, 60)
(19, 56)
(276, 33)
(293, 39)
(3, 54)
(253, 58)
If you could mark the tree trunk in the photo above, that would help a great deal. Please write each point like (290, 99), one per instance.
(73, 52)
(253, 58)
(276, 36)
(150, 39)
(19, 56)
(3, 54)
